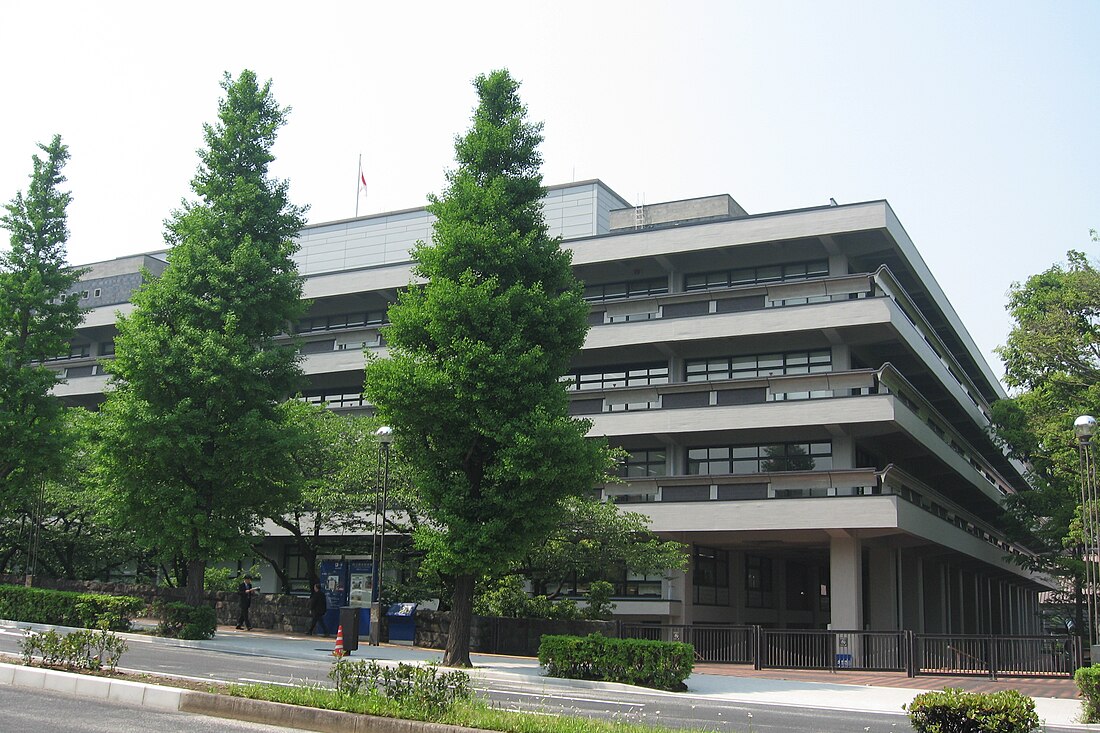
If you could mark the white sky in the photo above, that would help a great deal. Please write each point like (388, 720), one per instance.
(977, 121)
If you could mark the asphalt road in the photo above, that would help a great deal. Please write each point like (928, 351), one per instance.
(632, 705)
(38, 710)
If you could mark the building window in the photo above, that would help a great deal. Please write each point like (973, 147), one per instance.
(628, 289)
(756, 275)
(765, 458)
(107, 348)
(711, 577)
(758, 365)
(758, 582)
(798, 587)
(96, 293)
(335, 397)
(297, 569)
(643, 463)
(599, 378)
(343, 320)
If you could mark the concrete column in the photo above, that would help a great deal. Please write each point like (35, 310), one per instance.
(911, 582)
(882, 609)
(846, 579)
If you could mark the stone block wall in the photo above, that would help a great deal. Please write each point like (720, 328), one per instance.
(269, 611)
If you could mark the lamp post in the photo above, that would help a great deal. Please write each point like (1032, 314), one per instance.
(1084, 428)
(384, 435)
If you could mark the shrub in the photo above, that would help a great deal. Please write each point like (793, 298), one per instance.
(1088, 682)
(66, 608)
(425, 687)
(226, 580)
(599, 606)
(84, 649)
(659, 664)
(182, 621)
(955, 711)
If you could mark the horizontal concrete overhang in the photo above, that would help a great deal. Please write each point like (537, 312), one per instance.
(844, 314)
(805, 413)
(750, 230)
(647, 607)
(802, 522)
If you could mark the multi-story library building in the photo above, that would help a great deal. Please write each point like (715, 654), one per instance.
(800, 403)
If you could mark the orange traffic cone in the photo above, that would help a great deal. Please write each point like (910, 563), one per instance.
(339, 650)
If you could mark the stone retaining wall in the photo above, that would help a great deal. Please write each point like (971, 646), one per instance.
(269, 611)
(492, 635)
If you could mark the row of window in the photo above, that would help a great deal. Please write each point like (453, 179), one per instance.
(765, 458)
(711, 582)
(816, 361)
(343, 320)
(758, 365)
(756, 275)
(726, 278)
(733, 459)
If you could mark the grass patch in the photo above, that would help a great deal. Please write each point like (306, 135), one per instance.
(471, 714)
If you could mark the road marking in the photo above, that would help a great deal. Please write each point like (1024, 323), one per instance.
(595, 700)
(268, 682)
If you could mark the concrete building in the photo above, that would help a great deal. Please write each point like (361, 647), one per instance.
(800, 403)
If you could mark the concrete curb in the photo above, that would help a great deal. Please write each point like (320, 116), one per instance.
(297, 716)
(158, 697)
(173, 699)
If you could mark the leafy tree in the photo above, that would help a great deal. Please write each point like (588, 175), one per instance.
(1052, 359)
(197, 438)
(592, 540)
(38, 315)
(67, 528)
(333, 482)
(472, 383)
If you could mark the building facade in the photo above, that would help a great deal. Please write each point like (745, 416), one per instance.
(799, 402)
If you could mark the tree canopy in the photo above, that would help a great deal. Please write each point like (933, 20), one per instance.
(196, 438)
(472, 382)
(38, 315)
(1052, 359)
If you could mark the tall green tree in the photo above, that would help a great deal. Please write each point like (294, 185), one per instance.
(38, 315)
(1052, 361)
(333, 481)
(196, 438)
(471, 386)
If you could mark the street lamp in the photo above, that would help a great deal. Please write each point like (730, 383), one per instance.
(384, 435)
(1084, 428)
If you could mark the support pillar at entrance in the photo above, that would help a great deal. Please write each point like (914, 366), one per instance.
(846, 579)
(882, 595)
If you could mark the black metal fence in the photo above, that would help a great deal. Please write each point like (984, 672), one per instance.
(899, 651)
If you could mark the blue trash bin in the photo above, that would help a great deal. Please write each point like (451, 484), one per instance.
(401, 618)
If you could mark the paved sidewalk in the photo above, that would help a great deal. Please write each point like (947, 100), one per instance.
(1056, 700)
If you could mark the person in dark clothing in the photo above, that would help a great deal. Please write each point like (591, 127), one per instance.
(318, 605)
(245, 591)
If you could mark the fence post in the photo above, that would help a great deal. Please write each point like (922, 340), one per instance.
(909, 648)
(758, 647)
(992, 658)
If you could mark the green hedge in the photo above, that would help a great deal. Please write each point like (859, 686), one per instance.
(66, 608)
(660, 664)
(955, 711)
(182, 621)
(1088, 682)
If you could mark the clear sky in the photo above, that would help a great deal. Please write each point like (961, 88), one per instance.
(977, 121)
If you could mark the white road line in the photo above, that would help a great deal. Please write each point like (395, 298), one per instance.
(597, 701)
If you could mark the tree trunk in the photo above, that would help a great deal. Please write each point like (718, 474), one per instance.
(196, 572)
(457, 653)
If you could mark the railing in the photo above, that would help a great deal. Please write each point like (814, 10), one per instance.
(806, 649)
(895, 651)
(713, 643)
(996, 656)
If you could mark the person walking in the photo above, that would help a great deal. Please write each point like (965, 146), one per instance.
(318, 605)
(245, 591)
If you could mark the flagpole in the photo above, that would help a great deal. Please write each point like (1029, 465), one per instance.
(358, 182)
